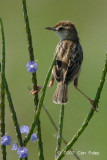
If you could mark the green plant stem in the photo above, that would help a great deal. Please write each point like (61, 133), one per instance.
(88, 118)
(54, 125)
(0, 67)
(40, 154)
(30, 49)
(59, 137)
(2, 92)
(50, 117)
(14, 116)
(13, 113)
(34, 77)
(5, 88)
(40, 144)
(40, 103)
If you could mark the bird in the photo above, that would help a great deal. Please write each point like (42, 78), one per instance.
(68, 63)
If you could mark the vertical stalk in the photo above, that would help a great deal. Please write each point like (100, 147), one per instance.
(60, 128)
(30, 48)
(34, 79)
(2, 92)
(39, 141)
(55, 127)
(13, 113)
(4, 86)
(14, 116)
(40, 104)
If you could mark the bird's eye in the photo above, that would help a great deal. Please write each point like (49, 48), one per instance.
(60, 28)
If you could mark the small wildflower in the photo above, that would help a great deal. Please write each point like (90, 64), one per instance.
(22, 152)
(24, 129)
(31, 66)
(6, 140)
(34, 137)
(15, 146)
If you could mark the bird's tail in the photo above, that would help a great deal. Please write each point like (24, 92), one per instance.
(61, 94)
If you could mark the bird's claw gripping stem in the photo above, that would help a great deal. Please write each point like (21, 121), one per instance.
(36, 91)
(92, 103)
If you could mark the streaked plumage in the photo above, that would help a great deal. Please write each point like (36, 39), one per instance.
(68, 61)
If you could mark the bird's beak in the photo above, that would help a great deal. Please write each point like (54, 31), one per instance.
(50, 28)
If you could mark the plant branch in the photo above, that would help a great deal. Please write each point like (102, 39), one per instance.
(2, 91)
(54, 125)
(40, 102)
(13, 113)
(9, 100)
(34, 77)
(90, 115)
(59, 137)
(30, 49)
(14, 116)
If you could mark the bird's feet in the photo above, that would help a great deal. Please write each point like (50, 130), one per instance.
(36, 91)
(39, 87)
(92, 103)
(90, 100)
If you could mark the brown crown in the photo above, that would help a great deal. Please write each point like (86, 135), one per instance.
(64, 23)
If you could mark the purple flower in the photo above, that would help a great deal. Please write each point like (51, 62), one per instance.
(6, 140)
(34, 137)
(31, 66)
(15, 146)
(22, 152)
(24, 129)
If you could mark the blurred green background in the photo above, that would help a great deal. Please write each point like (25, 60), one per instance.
(90, 18)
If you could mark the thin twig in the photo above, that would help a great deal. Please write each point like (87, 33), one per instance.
(34, 77)
(50, 117)
(40, 102)
(88, 118)
(2, 92)
(54, 125)
(60, 128)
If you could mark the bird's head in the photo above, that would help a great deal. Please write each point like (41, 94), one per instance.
(65, 30)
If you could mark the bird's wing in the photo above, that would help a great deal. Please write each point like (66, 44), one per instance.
(67, 62)
(57, 70)
(74, 64)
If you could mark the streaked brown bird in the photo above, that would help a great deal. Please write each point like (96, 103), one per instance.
(68, 62)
